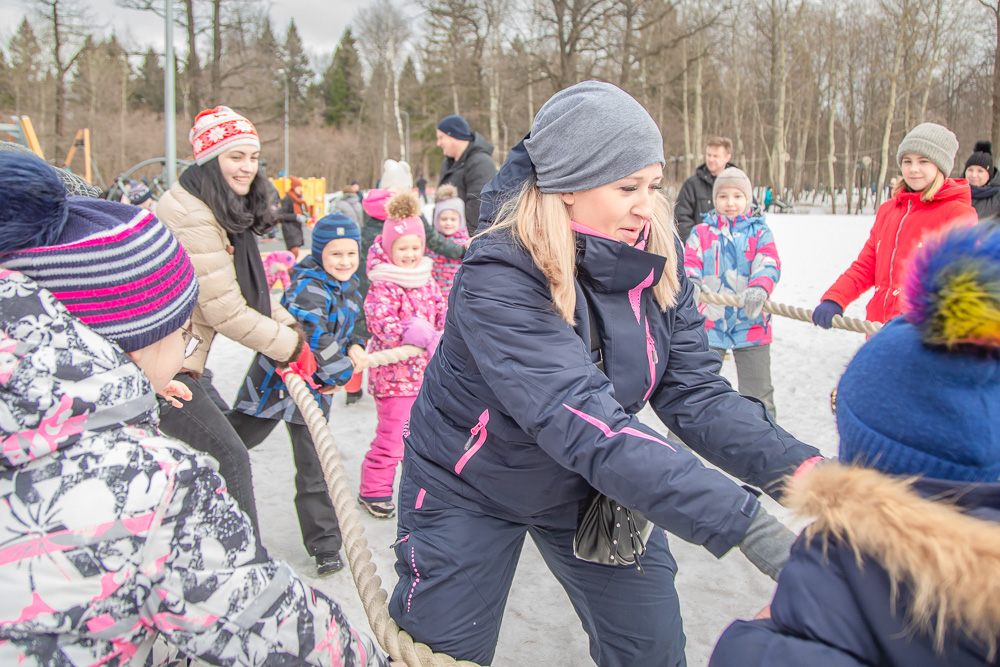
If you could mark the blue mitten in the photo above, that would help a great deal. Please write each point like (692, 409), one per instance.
(824, 312)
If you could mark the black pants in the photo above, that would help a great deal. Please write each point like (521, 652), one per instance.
(202, 425)
(317, 518)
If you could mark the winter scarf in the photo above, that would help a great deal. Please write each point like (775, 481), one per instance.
(404, 277)
(299, 205)
(984, 191)
(250, 273)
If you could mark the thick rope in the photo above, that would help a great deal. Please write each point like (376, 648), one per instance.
(795, 313)
(397, 643)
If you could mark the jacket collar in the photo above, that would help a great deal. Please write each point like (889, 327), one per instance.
(610, 265)
(936, 536)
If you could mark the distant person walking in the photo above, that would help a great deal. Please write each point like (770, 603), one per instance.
(421, 184)
(695, 198)
(467, 163)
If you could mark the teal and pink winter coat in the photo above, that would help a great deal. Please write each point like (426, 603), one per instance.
(121, 546)
(727, 257)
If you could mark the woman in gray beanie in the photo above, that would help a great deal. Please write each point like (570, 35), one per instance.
(566, 318)
(923, 202)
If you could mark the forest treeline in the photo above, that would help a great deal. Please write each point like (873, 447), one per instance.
(812, 93)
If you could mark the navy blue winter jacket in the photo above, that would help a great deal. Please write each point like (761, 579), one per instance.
(837, 604)
(515, 419)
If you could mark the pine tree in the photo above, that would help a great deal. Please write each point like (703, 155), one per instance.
(299, 76)
(25, 68)
(341, 85)
(148, 92)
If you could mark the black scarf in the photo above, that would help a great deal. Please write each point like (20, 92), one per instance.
(250, 273)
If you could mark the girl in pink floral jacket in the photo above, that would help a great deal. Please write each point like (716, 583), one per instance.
(404, 305)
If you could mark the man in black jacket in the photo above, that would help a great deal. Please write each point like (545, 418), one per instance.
(695, 197)
(467, 163)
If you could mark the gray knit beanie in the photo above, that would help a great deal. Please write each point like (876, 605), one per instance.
(935, 142)
(733, 177)
(591, 134)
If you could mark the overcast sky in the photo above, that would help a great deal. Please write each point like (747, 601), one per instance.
(320, 22)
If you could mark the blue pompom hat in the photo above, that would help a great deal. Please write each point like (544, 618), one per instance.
(922, 397)
(330, 228)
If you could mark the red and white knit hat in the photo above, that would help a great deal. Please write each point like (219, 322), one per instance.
(217, 130)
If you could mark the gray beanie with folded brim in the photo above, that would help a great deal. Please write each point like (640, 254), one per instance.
(935, 142)
(591, 134)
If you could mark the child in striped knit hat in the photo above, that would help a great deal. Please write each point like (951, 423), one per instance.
(120, 543)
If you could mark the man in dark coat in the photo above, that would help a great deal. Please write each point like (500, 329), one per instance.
(467, 163)
(695, 197)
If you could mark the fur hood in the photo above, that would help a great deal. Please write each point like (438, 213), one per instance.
(940, 539)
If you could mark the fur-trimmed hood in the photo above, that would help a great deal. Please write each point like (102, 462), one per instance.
(940, 539)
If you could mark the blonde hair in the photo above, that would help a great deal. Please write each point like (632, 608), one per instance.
(540, 222)
(929, 192)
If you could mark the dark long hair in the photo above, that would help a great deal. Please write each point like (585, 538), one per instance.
(236, 213)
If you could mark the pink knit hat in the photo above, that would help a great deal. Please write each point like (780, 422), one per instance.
(217, 130)
(403, 218)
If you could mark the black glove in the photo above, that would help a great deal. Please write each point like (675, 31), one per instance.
(824, 312)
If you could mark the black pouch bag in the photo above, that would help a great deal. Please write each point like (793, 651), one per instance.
(611, 534)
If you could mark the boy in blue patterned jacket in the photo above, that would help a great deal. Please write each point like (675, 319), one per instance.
(325, 299)
(732, 252)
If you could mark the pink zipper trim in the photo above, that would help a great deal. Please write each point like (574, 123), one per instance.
(470, 451)
(420, 499)
(652, 357)
(628, 430)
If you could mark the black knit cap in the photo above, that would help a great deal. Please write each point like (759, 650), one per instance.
(982, 156)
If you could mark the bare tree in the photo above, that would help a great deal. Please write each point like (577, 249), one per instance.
(67, 24)
(383, 33)
(994, 7)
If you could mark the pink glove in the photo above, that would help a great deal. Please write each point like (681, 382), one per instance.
(418, 331)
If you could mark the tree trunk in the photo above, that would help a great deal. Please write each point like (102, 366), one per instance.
(216, 49)
(831, 158)
(685, 114)
(193, 65)
(890, 112)
(699, 105)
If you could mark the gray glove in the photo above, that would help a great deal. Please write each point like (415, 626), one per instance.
(752, 300)
(302, 217)
(696, 284)
(767, 543)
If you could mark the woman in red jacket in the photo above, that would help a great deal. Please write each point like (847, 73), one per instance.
(925, 201)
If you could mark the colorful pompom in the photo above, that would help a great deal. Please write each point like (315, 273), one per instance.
(952, 287)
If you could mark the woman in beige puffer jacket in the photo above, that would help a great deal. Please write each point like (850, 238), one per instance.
(215, 210)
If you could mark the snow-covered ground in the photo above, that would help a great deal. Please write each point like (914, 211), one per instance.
(540, 627)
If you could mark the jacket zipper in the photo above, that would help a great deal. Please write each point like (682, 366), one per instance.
(892, 258)
(653, 359)
(477, 436)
